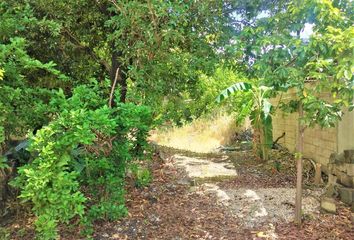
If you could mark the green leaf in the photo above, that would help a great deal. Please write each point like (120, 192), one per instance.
(3, 163)
(267, 106)
(237, 87)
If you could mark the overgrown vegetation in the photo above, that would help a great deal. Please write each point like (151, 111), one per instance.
(74, 80)
(83, 82)
(311, 65)
(259, 111)
(80, 146)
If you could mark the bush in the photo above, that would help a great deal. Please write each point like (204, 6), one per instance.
(86, 144)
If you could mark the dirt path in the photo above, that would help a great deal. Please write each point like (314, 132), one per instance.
(215, 196)
(218, 196)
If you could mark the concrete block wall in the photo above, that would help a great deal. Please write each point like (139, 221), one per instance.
(346, 132)
(285, 123)
(319, 143)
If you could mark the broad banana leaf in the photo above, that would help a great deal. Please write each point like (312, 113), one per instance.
(237, 87)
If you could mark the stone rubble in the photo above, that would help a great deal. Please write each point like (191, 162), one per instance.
(341, 177)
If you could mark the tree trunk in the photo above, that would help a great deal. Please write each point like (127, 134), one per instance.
(121, 76)
(318, 172)
(299, 152)
(262, 144)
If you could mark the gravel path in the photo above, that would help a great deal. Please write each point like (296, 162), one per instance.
(254, 206)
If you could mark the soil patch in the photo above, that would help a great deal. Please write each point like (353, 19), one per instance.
(167, 209)
(243, 207)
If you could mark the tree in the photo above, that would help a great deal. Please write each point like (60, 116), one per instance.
(59, 61)
(22, 93)
(277, 53)
(156, 46)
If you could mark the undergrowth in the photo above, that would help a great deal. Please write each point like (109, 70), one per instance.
(79, 161)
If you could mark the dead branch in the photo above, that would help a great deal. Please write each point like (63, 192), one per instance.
(113, 88)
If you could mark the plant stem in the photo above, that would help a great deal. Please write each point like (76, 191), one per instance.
(300, 148)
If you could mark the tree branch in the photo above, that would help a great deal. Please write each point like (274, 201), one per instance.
(111, 96)
(87, 49)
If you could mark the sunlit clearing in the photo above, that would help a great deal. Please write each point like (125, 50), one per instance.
(202, 135)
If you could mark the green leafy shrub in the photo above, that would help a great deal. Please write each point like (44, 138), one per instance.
(23, 96)
(47, 181)
(86, 144)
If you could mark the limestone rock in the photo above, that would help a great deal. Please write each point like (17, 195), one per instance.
(349, 155)
(340, 158)
(346, 180)
(332, 179)
(342, 167)
(346, 195)
(199, 169)
(333, 157)
(329, 205)
(350, 169)
(221, 195)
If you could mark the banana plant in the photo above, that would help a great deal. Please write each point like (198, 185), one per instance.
(260, 113)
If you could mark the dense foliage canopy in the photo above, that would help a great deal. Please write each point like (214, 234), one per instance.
(86, 80)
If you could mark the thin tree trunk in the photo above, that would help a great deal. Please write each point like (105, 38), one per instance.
(262, 144)
(113, 88)
(122, 78)
(299, 152)
(318, 178)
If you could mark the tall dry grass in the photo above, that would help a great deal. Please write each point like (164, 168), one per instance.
(203, 135)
